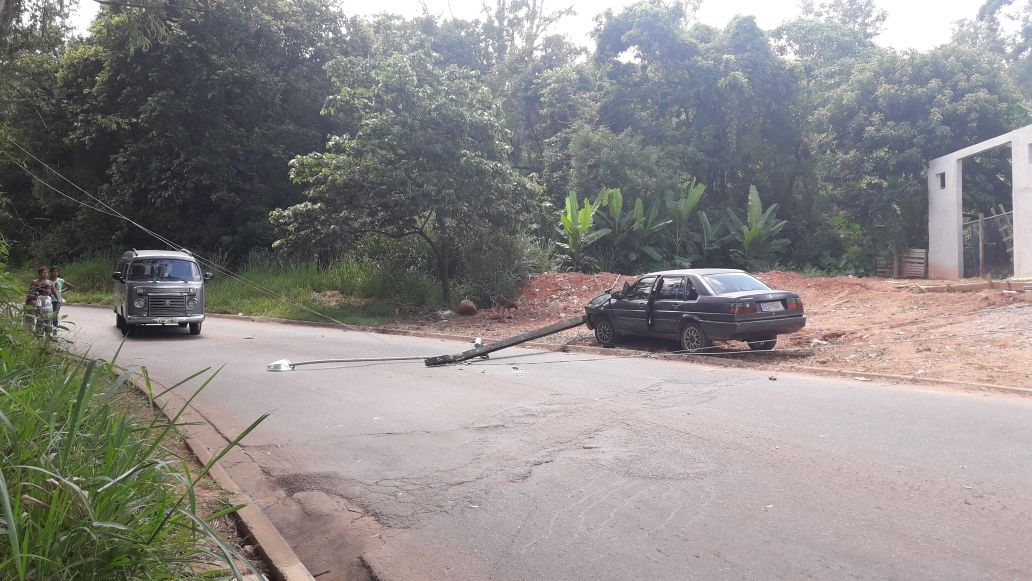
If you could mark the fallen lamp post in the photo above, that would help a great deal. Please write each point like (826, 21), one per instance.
(288, 365)
(480, 350)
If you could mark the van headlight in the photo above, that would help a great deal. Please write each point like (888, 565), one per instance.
(140, 302)
(191, 302)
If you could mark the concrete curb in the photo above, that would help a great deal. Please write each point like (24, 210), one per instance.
(284, 563)
(618, 352)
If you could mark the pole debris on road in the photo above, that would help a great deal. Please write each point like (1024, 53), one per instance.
(480, 350)
(506, 343)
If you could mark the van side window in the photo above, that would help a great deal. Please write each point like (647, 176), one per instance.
(671, 289)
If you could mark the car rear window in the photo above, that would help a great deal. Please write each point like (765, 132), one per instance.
(733, 282)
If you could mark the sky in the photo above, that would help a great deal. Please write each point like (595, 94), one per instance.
(916, 24)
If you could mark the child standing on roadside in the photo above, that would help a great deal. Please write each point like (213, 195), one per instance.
(60, 285)
(38, 300)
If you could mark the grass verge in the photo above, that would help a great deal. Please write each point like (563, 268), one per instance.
(354, 290)
(89, 490)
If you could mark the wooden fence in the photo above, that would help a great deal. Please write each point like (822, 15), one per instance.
(910, 263)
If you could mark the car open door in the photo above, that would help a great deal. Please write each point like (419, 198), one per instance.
(630, 310)
(666, 305)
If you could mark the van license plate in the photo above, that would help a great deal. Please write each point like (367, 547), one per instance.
(772, 307)
(166, 321)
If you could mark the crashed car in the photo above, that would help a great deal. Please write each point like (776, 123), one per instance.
(697, 306)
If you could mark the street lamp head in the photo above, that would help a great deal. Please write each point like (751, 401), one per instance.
(281, 365)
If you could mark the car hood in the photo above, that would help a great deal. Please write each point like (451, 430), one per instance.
(598, 301)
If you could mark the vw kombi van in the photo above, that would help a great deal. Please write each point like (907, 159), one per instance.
(159, 287)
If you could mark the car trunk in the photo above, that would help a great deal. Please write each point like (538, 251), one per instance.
(756, 305)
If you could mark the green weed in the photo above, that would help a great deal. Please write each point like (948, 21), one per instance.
(87, 491)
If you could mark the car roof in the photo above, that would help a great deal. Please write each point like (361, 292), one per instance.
(157, 254)
(695, 271)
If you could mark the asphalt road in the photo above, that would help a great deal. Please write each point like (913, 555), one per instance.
(562, 466)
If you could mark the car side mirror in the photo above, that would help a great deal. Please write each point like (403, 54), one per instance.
(117, 276)
(626, 288)
(208, 276)
(616, 295)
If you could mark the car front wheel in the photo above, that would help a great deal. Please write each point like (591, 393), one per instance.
(605, 334)
(195, 328)
(693, 338)
(765, 345)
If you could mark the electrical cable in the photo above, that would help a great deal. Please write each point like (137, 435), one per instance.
(110, 211)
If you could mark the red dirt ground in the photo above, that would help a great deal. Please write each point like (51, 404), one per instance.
(855, 324)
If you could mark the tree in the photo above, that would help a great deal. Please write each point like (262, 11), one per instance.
(862, 16)
(32, 36)
(894, 114)
(1006, 32)
(185, 117)
(428, 157)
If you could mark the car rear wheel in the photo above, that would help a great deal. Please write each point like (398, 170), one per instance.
(605, 334)
(195, 328)
(764, 345)
(693, 338)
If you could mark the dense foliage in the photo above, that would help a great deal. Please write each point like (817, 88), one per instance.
(230, 127)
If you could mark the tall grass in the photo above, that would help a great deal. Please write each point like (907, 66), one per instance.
(87, 491)
(375, 280)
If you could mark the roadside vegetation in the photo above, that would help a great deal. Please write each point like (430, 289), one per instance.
(413, 162)
(91, 486)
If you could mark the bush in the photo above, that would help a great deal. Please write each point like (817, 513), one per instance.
(496, 265)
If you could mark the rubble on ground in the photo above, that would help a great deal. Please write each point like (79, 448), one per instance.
(869, 325)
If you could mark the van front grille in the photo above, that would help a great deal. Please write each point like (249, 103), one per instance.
(161, 305)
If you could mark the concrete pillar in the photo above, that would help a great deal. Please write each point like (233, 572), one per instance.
(945, 218)
(1021, 172)
(945, 206)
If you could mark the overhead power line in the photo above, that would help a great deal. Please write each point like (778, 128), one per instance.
(105, 208)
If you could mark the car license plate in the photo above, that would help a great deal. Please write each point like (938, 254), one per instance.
(166, 320)
(772, 307)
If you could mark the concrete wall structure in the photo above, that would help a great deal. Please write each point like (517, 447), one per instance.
(945, 206)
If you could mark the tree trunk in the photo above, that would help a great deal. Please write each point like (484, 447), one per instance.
(442, 272)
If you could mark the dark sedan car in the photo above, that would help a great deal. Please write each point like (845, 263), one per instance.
(697, 306)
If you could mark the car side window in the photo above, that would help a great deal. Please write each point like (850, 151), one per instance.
(671, 289)
(692, 293)
(641, 289)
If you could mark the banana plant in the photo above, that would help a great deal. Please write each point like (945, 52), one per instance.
(577, 225)
(758, 244)
(633, 235)
(645, 232)
(680, 207)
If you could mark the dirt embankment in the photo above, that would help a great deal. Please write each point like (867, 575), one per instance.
(858, 324)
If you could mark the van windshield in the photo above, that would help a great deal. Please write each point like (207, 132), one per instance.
(168, 269)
